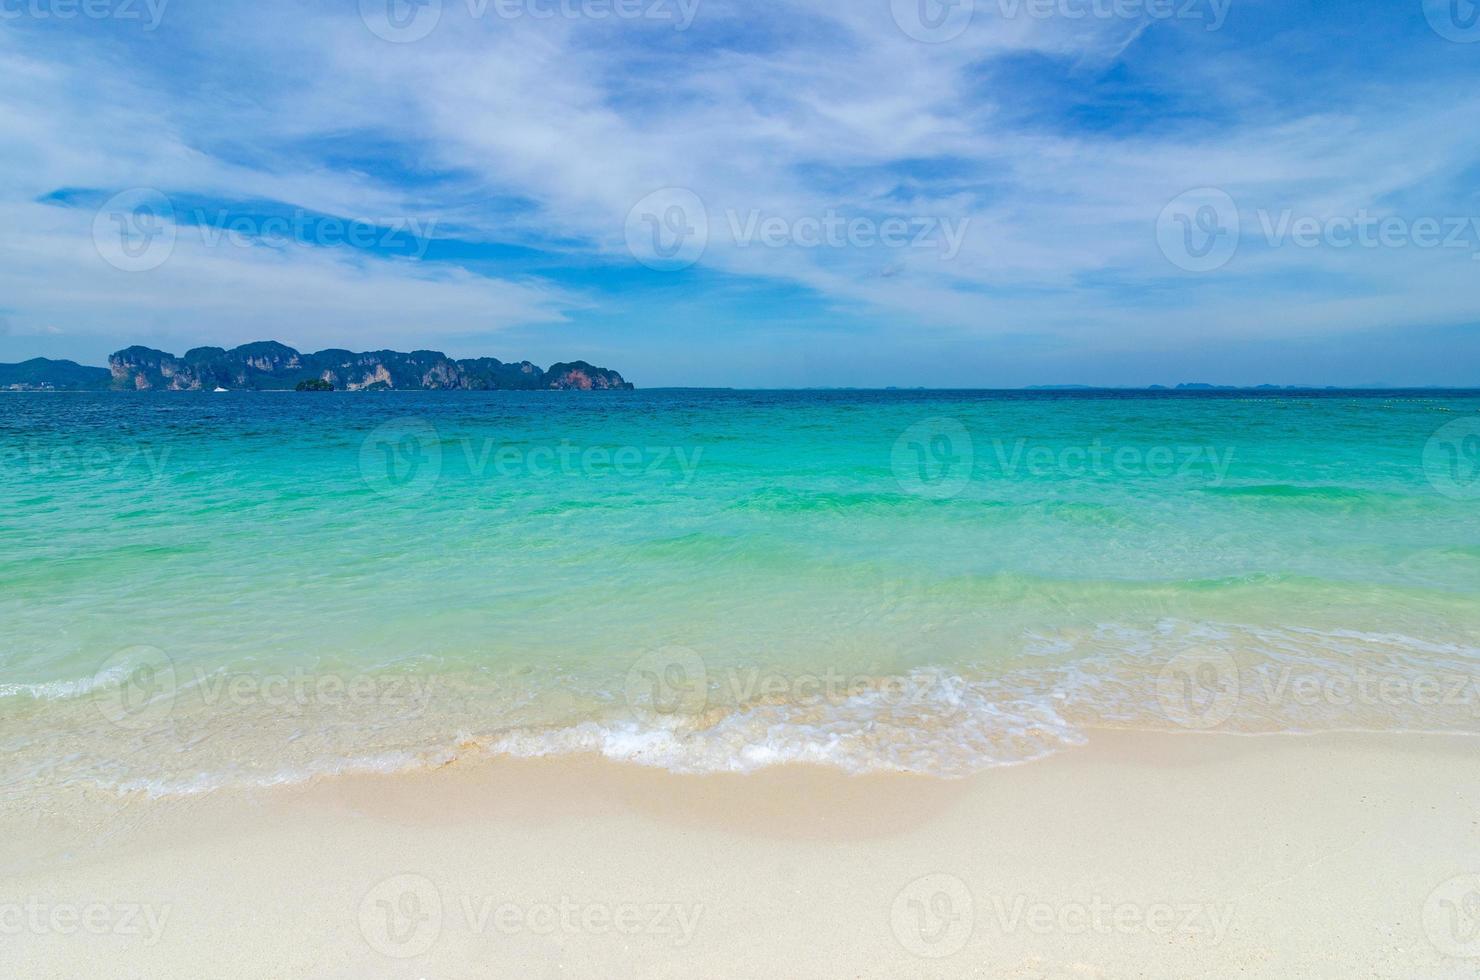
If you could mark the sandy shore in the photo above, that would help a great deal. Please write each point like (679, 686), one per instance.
(1137, 856)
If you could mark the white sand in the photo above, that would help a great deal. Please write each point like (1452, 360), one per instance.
(1137, 856)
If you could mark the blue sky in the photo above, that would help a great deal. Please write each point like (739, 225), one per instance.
(782, 193)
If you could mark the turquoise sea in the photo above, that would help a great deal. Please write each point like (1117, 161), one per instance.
(208, 589)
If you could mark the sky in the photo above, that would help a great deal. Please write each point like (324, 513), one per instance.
(755, 193)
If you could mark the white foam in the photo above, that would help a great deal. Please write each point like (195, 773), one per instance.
(385, 763)
(63, 689)
(957, 728)
(932, 721)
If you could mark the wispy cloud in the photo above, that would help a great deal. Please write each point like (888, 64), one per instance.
(1043, 148)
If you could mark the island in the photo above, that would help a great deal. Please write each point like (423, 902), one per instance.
(271, 366)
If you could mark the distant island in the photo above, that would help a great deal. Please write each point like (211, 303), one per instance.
(270, 366)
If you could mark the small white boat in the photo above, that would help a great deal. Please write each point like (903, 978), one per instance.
(222, 389)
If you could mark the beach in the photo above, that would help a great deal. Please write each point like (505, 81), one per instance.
(728, 684)
(1136, 855)
(739, 490)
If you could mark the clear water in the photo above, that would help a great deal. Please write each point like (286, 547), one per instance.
(199, 589)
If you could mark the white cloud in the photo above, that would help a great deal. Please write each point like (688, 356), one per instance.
(585, 118)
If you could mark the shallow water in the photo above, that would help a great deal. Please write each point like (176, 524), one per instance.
(208, 588)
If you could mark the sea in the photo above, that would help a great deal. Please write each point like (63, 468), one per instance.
(202, 590)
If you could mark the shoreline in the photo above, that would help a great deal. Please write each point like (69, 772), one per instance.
(1137, 854)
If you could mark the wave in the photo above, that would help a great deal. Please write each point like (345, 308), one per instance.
(1317, 495)
(930, 722)
(687, 716)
